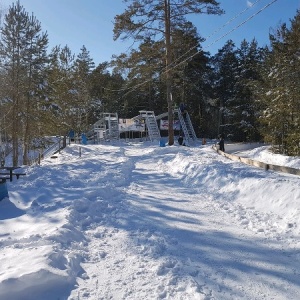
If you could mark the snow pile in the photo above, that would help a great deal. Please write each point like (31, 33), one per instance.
(139, 221)
(264, 154)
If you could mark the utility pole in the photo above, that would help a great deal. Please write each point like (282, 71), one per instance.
(168, 71)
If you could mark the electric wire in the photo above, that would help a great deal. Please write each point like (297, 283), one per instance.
(219, 29)
(194, 54)
(192, 48)
(214, 32)
(165, 69)
(131, 89)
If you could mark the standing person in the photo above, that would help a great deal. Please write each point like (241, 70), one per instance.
(180, 140)
(183, 108)
(221, 143)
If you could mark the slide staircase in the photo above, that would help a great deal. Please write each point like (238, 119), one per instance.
(106, 128)
(113, 126)
(187, 127)
(151, 123)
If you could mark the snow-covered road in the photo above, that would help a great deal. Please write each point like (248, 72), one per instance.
(138, 221)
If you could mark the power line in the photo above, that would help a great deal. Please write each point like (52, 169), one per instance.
(220, 28)
(194, 54)
(192, 48)
(229, 32)
(164, 70)
(212, 43)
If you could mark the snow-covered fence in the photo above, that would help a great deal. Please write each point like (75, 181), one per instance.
(259, 164)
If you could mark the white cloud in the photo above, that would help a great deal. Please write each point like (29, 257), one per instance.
(249, 3)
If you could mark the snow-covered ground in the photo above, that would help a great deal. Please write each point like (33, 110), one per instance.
(139, 221)
(262, 153)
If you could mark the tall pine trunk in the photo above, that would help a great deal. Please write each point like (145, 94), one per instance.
(168, 71)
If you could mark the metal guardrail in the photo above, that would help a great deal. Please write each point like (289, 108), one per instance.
(48, 152)
(52, 149)
(259, 164)
(39, 154)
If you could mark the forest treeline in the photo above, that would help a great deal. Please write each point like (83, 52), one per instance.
(246, 92)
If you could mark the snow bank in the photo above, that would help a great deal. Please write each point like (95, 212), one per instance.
(139, 221)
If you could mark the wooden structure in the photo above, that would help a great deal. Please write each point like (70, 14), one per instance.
(7, 173)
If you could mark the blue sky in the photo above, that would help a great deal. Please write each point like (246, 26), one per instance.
(90, 22)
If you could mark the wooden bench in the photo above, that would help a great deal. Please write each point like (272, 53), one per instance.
(5, 174)
(19, 174)
(9, 172)
(9, 175)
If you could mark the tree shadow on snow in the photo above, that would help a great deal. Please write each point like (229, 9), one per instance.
(8, 210)
(226, 262)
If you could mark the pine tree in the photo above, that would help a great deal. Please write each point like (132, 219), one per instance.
(191, 76)
(142, 68)
(22, 53)
(158, 19)
(244, 110)
(83, 67)
(99, 79)
(281, 115)
(106, 95)
(225, 64)
(36, 59)
(61, 90)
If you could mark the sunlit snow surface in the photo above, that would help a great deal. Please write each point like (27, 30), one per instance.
(139, 221)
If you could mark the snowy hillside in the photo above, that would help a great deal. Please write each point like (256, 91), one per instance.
(139, 221)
